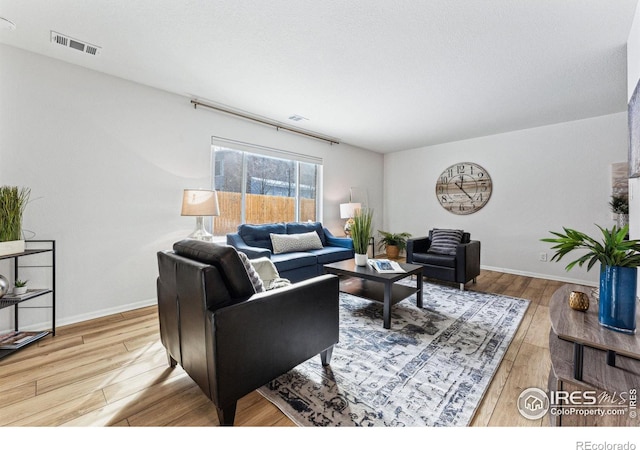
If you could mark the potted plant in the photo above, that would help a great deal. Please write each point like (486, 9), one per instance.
(393, 243)
(20, 287)
(361, 234)
(13, 201)
(620, 206)
(619, 259)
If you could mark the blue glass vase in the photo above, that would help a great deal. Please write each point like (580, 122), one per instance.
(617, 304)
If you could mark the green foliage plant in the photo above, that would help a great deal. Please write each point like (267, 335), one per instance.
(361, 230)
(13, 201)
(612, 250)
(397, 239)
(21, 283)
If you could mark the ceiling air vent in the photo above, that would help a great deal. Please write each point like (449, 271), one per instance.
(75, 44)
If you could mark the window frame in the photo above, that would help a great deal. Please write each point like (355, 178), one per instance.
(246, 149)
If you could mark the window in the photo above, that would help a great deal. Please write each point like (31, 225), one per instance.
(260, 185)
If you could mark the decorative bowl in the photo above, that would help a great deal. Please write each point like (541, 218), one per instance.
(578, 301)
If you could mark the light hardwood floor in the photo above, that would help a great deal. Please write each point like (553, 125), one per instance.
(113, 371)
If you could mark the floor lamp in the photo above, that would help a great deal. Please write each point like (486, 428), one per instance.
(200, 203)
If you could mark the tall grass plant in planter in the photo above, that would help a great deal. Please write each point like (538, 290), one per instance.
(361, 234)
(619, 259)
(13, 201)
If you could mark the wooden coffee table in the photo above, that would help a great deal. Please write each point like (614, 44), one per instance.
(367, 283)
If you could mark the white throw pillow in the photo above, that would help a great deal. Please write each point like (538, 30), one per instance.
(300, 242)
(268, 273)
(265, 268)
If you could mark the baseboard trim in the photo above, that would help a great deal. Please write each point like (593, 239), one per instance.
(540, 275)
(89, 316)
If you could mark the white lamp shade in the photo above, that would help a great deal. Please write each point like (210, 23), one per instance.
(348, 210)
(199, 202)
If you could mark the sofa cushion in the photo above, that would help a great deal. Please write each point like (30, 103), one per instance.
(253, 274)
(445, 242)
(327, 255)
(260, 235)
(435, 259)
(291, 261)
(286, 243)
(305, 227)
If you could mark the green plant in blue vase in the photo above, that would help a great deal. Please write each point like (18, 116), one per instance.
(619, 259)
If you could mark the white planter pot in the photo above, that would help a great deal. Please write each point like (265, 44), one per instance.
(19, 290)
(361, 260)
(11, 247)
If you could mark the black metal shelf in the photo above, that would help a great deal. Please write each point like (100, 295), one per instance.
(10, 300)
(15, 301)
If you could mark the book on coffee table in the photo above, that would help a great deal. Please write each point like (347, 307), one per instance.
(386, 266)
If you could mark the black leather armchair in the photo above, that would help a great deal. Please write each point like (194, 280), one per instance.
(460, 268)
(229, 339)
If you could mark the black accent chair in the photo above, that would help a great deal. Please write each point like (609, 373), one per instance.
(460, 268)
(229, 339)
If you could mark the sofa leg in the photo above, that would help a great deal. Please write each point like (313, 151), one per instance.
(462, 286)
(226, 415)
(172, 362)
(474, 281)
(325, 356)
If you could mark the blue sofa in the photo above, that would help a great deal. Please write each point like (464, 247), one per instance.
(255, 242)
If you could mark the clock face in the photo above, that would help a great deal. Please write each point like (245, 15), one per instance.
(463, 188)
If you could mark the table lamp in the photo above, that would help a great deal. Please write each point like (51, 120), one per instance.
(200, 203)
(347, 211)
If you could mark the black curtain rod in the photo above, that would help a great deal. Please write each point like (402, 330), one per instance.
(197, 103)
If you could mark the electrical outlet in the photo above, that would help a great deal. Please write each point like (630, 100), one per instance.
(543, 256)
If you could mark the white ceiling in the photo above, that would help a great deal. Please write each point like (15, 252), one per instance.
(385, 75)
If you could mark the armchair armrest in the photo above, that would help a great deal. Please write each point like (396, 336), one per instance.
(335, 241)
(468, 260)
(264, 337)
(238, 243)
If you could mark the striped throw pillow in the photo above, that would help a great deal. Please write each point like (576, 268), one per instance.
(258, 285)
(445, 242)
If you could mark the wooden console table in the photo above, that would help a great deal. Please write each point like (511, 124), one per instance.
(587, 356)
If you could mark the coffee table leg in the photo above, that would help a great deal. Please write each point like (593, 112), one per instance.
(387, 306)
(419, 293)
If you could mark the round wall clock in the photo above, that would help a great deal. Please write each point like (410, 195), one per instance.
(463, 188)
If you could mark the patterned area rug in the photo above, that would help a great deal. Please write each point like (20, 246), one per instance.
(431, 368)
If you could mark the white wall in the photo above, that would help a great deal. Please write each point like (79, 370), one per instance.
(543, 179)
(107, 160)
